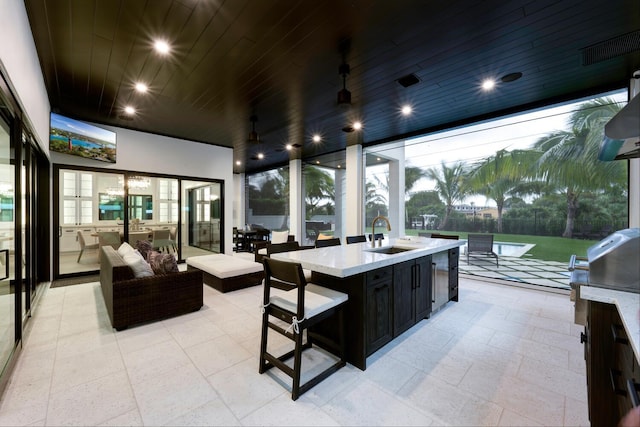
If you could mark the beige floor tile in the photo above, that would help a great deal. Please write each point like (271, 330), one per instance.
(524, 398)
(554, 378)
(92, 403)
(154, 361)
(286, 412)
(546, 353)
(244, 390)
(576, 413)
(177, 392)
(511, 419)
(212, 413)
(217, 354)
(130, 418)
(367, 405)
(71, 371)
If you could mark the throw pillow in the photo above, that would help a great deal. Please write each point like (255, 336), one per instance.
(144, 247)
(138, 265)
(163, 263)
(279, 236)
(124, 249)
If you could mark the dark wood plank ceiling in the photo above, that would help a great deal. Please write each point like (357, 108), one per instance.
(279, 59)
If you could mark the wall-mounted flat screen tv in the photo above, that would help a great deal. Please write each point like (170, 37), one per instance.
(71, 136)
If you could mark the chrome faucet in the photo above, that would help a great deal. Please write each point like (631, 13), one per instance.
(373, 229)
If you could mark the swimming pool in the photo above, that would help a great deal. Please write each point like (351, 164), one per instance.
(508, 248)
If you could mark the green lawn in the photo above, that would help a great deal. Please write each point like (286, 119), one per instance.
(546, 248)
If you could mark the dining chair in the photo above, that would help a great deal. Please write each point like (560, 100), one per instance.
(136, 236)
(379, 236)
(109, 238)
(356, 239)
(84, 245)
(323, 243)
(299, 309)
(161, 240)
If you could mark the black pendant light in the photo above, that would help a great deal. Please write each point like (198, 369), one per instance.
(253, 135)
(344, 96)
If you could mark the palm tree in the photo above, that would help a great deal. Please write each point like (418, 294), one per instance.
(501, 176)
(319, 187)
(449, 185)
(569, 159)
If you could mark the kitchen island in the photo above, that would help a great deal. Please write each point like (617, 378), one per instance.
(390, 287)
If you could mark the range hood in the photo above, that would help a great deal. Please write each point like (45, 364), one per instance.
(622, 132)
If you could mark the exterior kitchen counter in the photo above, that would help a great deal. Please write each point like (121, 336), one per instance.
(388, 292)
(628, 305)
(348, 260)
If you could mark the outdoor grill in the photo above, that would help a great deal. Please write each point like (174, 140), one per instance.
(612, 263)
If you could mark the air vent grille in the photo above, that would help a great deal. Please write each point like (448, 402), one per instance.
(611, 48)
(408, 80)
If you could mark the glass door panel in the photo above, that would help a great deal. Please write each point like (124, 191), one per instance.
(202, 218)
(90, 202)
(7, 251)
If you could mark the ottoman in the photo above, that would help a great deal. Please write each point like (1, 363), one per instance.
(227, 273)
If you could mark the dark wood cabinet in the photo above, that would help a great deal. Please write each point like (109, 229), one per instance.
(611, 365)
(411, 293)
(382, 304)
(379, 308)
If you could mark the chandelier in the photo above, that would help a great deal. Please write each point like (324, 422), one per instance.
(137, 182)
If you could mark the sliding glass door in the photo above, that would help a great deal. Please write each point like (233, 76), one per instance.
(7, 252)
(202, 215)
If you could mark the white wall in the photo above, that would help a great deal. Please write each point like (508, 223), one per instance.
(145, 152)
(19, 61)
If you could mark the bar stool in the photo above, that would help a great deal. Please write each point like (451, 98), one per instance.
(300, 308)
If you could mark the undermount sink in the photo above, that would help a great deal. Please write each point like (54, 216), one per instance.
(390, 250)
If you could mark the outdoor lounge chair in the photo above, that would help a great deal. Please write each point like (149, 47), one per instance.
(481, 244)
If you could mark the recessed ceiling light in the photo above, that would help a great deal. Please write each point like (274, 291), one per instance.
(260, 156)
(406, 110)
(339, 166)
(129, 110)
(238, 162)
(141, 87)
(357, 125)
(488, 84)
(161, 46)
(289, 147)
(316, 138)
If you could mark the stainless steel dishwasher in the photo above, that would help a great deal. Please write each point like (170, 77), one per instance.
(440, 280)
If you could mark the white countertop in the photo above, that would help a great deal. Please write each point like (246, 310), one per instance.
(348, 260)
(628, 304)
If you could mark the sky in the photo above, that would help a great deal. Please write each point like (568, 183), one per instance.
(473, 143)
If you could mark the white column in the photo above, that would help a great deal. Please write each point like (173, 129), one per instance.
(396, 193)
(341, 212)
(634, 192)
(238, 200)
(296, 199)
(355, 195)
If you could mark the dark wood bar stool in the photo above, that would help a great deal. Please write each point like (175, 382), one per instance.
(356, 239)
(301, 308)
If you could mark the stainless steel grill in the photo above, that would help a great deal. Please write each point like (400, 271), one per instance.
(612, 263)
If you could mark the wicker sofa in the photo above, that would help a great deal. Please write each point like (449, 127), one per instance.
(132, 300)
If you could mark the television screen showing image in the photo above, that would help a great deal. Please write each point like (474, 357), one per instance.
(71, 136)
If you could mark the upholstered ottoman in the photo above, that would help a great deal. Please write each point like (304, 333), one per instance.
(227, 273)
